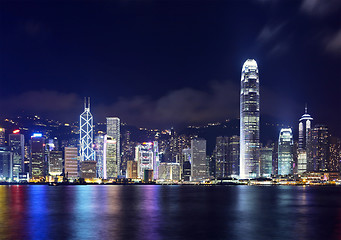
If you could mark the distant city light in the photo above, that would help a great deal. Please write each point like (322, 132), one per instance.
(16, 131)
(37, 135)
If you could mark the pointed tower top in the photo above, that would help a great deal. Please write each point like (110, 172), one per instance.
(306, 109)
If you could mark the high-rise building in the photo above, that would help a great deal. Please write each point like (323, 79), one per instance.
(334, 154)
(2, 137)
(249, 120)
(266, 161)
(131, 169)
(169, 171)
(113, 130)
(86, 134)
(127, 151)
(71, 163)
(38, 163)
(285, 152)
(319, 148)
(221, 154)
(111, 163)
(144, 156)
(88, 169)
(199, 171)
(234, 154)
(301, 161)
(55, 160)
(17, 147)
(99, 153)
(305, 124)
(5, 164)
(186, 164)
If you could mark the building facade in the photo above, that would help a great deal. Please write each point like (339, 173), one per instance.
(285, 152)
(17, 147)
(199, 168)
(249, 120)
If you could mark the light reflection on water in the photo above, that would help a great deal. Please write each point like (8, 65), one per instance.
(169, 212)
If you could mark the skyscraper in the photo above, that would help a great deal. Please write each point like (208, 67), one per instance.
(198, 157)
(71, 163)
(5, 164)
(285, 152)
(113, 131)
(17, 147)
(304, 126)
(249, 120)
(266, 161)
(38, 164)
(110, 162)
(222, 168)
(144, 155)
(55, 163)
(319, 148)
(86, 133)
(234, 155)
(2, 136)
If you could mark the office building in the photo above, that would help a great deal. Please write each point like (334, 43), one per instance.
(88, 169)
(186, 164)
(113, 131)
(5, 164)
(301, 161)
(169, 171)
(249, 120)
(38, 163)
(56, 161)
(265, 161)
(199, 171)
(234, 154)
(285, 152)
(111, 164)
(99, 154)
(86, 134)
(144, 156)
(221, 154)
(17, 147)
(319, 148)
(2, 137)
(132, 169)
(71, 163)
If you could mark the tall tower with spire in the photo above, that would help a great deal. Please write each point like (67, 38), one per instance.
(304, 126)
(86, 133)
(249, 120)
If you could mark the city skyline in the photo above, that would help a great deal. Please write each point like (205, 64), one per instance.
(128, 60)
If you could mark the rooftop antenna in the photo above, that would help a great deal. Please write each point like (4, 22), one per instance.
(306, 108)
(89, 103)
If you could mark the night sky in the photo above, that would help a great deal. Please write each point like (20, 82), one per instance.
(170, 63)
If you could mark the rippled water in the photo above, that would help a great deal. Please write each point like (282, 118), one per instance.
(170, 212)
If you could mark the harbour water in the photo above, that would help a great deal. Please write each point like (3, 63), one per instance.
(170, 212)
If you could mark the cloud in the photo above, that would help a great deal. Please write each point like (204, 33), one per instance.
(270, 32)
(49, 103)
(333, 44)
(178, 108)
(320, 7)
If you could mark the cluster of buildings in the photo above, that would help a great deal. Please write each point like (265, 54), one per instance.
(112, 156)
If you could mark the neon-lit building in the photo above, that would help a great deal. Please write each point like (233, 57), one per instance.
(285, 152)
(113, 131)
(38, 163)
(249, 120)
(111, 164)
(144, 156)
(17, 147)
(86, 134)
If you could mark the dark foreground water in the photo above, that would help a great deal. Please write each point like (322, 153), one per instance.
(170, 212)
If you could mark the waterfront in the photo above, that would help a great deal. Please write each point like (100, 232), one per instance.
(170, 212)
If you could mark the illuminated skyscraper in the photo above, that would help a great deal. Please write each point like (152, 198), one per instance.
(266, 161)
(113, 131)
(5, 164)
(249, 120)
(222, 168)
(319, 148)
(17, 146)
(144, 155)
(285, 152)
(38, 164)
(55, 163)
(86, 134)
(2, 136)
(110, 162)
(71, 163)
(234, 155)
(99, 150)
(304, 126)
(199, 170)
